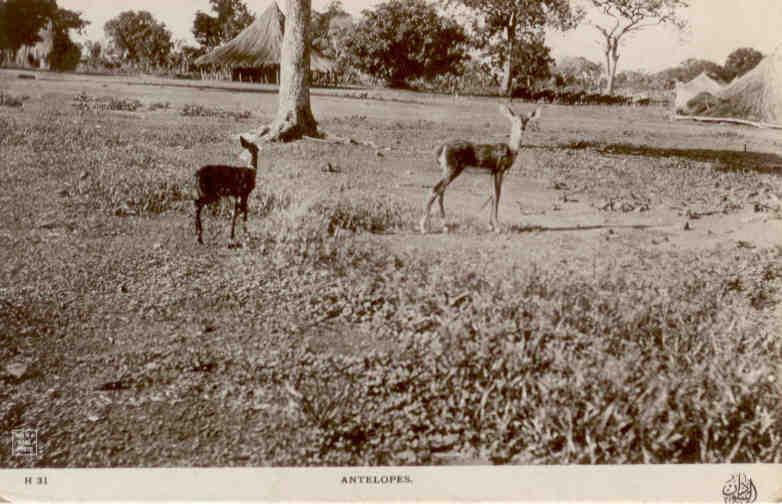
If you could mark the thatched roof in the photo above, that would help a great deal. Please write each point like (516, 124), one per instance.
(686, 91)
(259, 44)
(758, 93)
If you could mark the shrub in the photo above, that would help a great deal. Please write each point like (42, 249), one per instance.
(400, 40)
(195, 110)
(85, 102)
(9, 100)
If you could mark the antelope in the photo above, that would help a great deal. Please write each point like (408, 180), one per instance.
(216, 181)
(453, 157)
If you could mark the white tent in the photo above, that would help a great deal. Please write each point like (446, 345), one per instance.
(686, 91)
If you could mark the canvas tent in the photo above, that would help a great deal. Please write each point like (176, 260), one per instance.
(686, 91)
(258, 46)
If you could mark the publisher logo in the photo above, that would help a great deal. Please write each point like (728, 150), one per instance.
(24, 443)
(739, 490)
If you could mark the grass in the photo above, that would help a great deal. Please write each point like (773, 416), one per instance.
(332, 334)
(544, 368)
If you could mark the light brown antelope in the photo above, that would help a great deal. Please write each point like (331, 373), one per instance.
(453, 157)
(213, 182)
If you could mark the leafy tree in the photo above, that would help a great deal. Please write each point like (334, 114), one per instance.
(183, 55)
(741, 61)
(326, 25)
(4, 44)
(400, 40)
(620, 18)
(499, 24)
(232, 16)
(531, 58)
(688, 70)
(139, 37)
(92, 51)
(65, 54)
(22, 20)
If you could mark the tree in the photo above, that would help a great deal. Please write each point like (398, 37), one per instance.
(741, 61)
(498, 24)
(232, 16)
(65, 54)
(691, 68)
(294, 117)
(531, 58)
(29, 17)
(401, 40)
(140, 38)
(22, 20)
(325, 25)
(620, 18)
(4, 43)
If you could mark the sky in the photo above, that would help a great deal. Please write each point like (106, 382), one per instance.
(716, 27)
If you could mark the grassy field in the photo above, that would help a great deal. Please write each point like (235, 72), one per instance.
(628, 314)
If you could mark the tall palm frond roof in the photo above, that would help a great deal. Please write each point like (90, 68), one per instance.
(260, 44)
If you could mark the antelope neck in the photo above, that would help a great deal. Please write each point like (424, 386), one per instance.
(515, 140)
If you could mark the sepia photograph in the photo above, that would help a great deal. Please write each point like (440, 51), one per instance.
(226, 253)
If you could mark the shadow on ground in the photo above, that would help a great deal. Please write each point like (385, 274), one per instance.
(515, 228)
(727, 160)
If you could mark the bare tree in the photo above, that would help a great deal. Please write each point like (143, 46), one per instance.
(623, 17)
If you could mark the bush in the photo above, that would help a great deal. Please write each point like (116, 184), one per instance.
(195, 110)
(85, 102)
(706, 104)
(400, 40)
(9, 100)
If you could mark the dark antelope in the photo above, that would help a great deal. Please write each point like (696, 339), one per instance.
(216, 181)
(453, 157)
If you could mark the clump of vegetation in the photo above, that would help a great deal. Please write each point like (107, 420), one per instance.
(85, 102)
(708, 104)
(425, 44)
(127, 104)
(196, 110)
(10, 100)
(160, 106)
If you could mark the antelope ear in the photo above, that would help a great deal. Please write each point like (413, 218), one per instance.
(536, 114)
(507, 112)
(250, 137)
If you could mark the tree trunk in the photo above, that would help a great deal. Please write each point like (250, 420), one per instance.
(507, 74)
(612, 57)
(294, 115)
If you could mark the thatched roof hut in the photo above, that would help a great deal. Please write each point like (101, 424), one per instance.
(686, 91)
(758, 93)
(259, 45)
